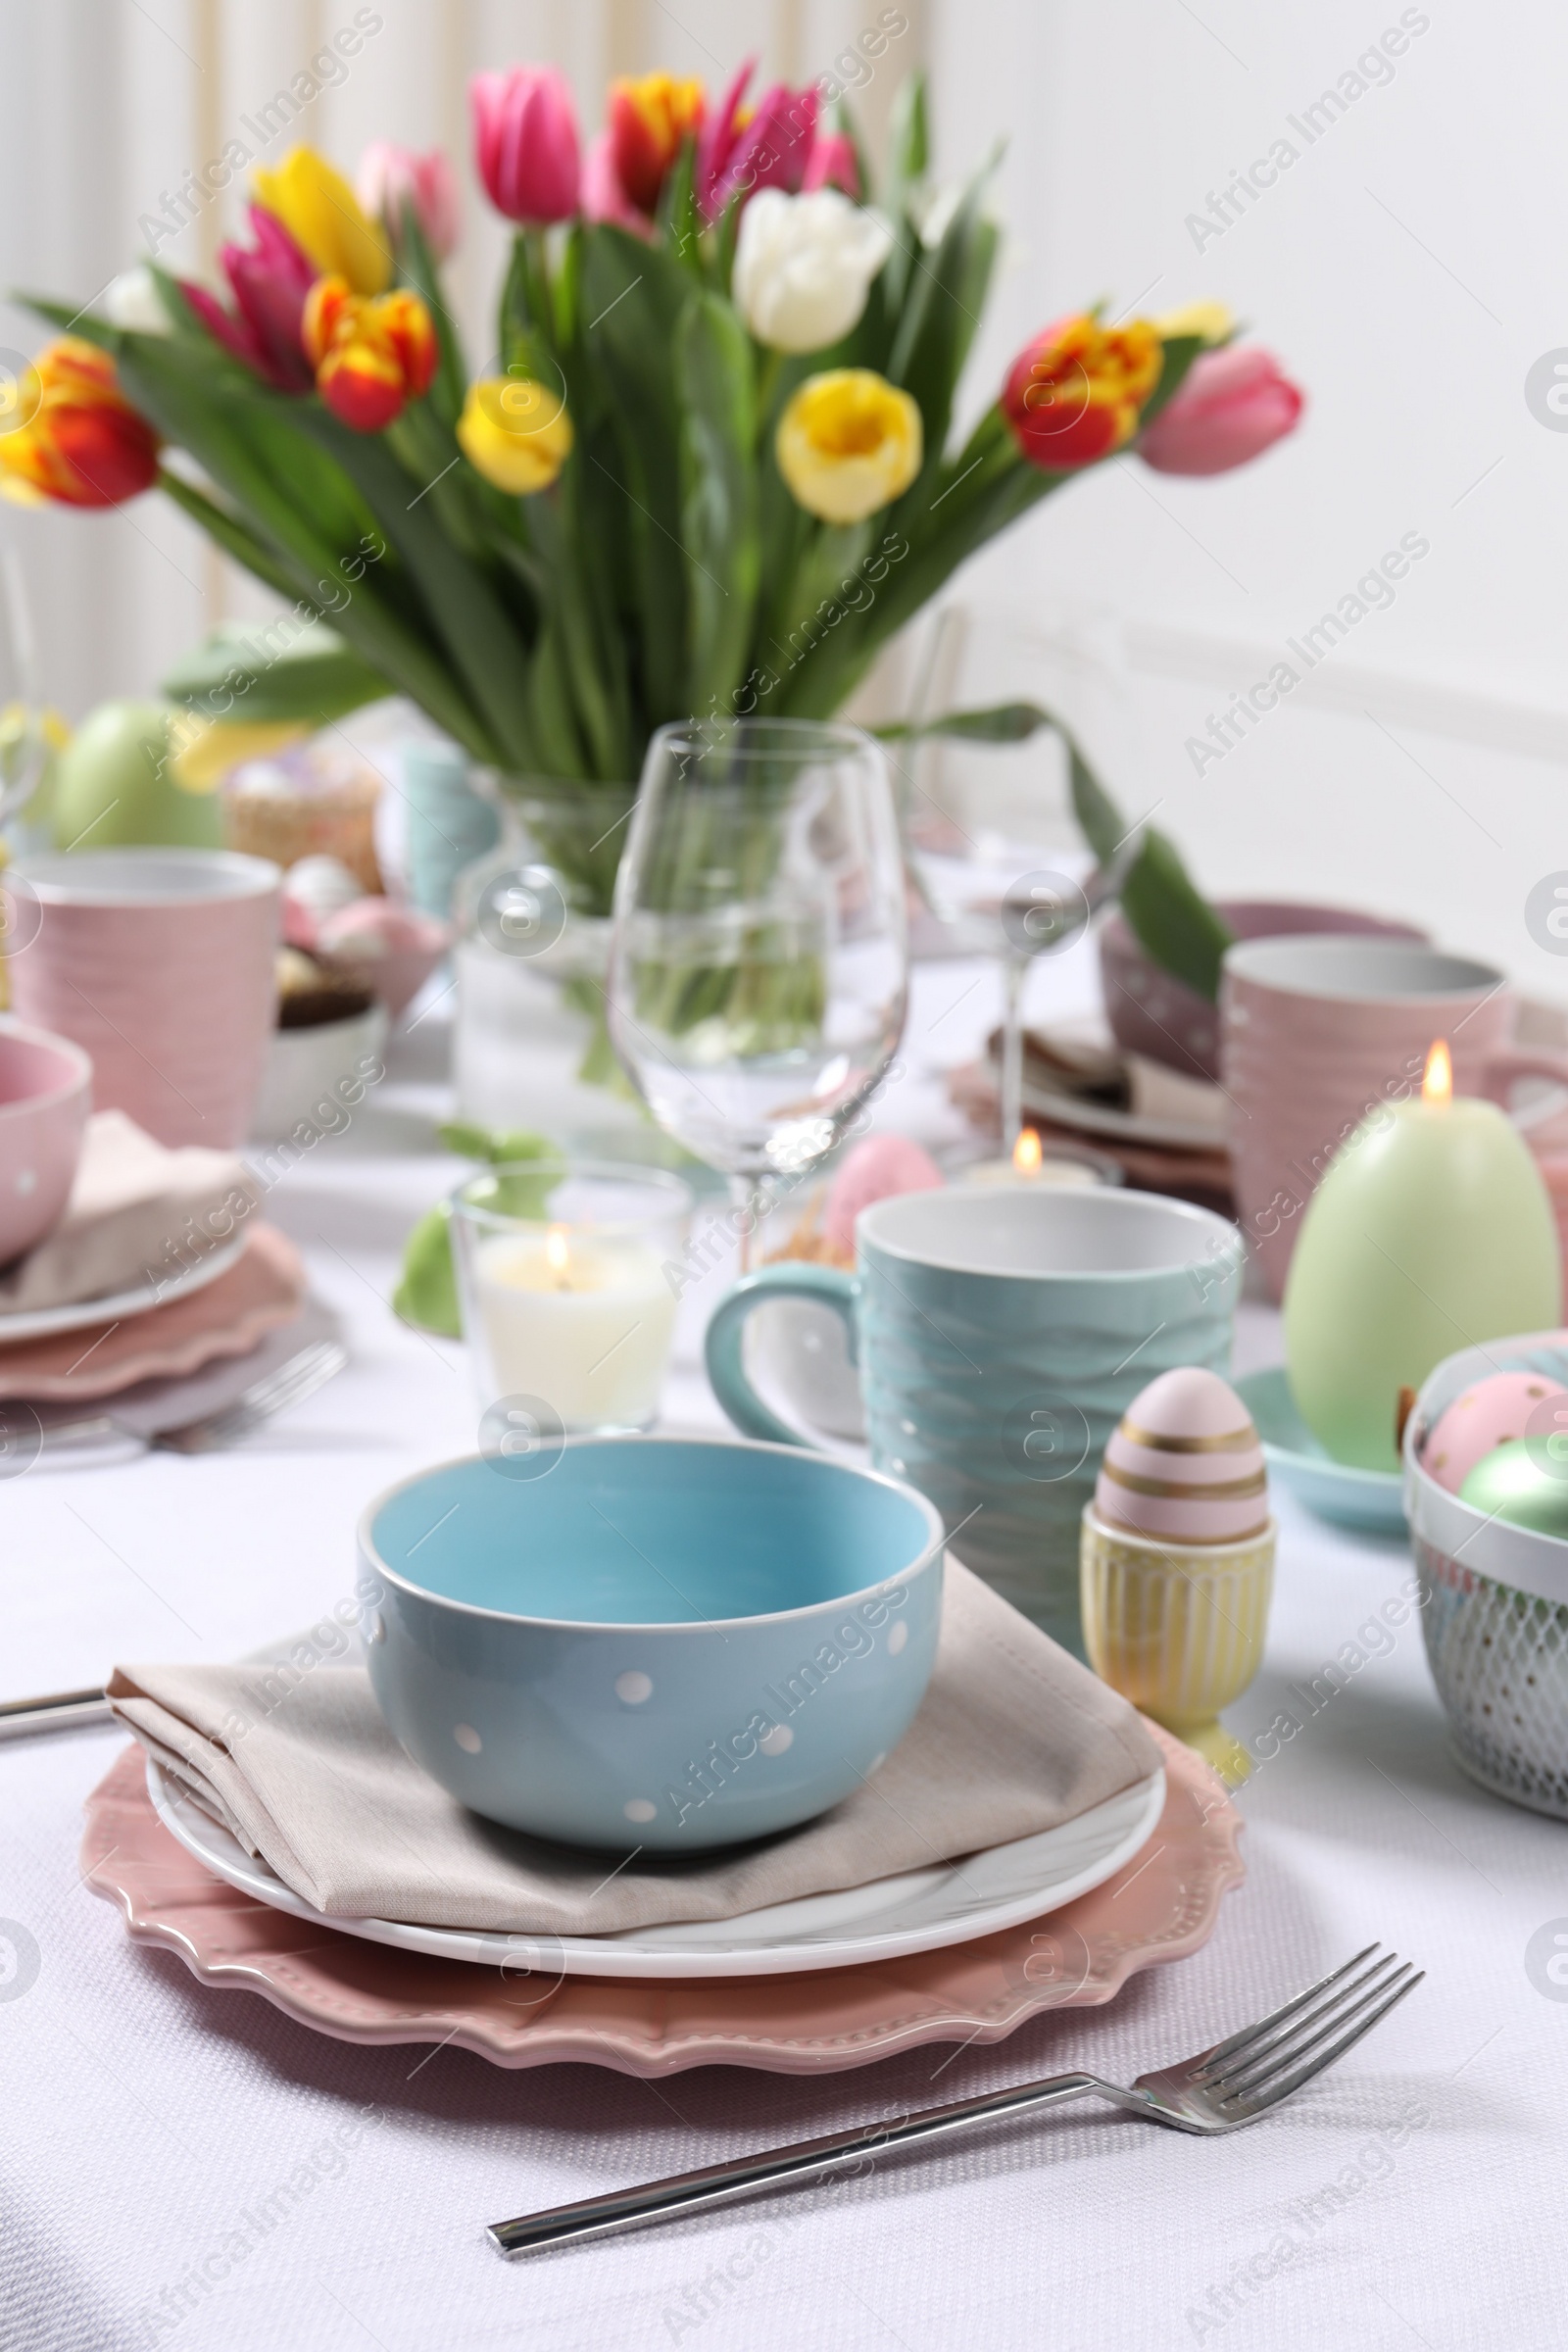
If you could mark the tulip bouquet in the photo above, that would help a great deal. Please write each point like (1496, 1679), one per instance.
(713, 467)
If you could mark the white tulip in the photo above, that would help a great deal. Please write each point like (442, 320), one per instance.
(804, 266)
(131, 300)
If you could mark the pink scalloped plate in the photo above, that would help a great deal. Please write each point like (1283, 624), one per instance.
(228, 1316)
(1159, 1908)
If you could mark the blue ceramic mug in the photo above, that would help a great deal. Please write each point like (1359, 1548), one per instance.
(1000, 1336)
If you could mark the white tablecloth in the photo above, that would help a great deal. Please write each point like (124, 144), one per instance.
(1414, 2198)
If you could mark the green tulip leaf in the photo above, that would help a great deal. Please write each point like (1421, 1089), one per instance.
(262, 673)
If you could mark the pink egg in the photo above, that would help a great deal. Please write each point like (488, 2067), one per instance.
(392, 949)
(1491, 1413)
(1184, 1464)
(876, 1169)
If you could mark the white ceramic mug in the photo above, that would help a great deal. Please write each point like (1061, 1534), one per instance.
(160, 963)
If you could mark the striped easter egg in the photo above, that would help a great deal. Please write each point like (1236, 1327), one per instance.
(1184, 1464)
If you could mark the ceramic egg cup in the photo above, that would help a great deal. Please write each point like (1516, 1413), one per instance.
(1178, 1628)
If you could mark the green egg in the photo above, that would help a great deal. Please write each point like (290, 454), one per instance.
(1513, 1481)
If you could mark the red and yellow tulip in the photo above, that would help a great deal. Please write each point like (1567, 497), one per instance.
(648, 121)
(371, 354)
(1075, 393)
(68, 433)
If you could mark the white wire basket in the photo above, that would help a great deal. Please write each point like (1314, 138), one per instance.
(1495, 1620)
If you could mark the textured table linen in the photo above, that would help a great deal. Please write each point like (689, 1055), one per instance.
(189, 2168)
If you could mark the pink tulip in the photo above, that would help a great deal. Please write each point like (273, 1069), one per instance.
(525, 140)
(1231, 405)
(270, 283)
(392, 177)
(831, 164)
(768, 151)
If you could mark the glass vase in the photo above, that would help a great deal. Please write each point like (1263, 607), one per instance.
(533, 916)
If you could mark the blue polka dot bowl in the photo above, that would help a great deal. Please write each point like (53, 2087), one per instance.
(670, 1644)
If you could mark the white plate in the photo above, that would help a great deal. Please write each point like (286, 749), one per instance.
(1125, 1126)
(121, 1304)
(919, 1911)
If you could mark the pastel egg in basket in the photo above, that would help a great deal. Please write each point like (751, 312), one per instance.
(1495, 1623)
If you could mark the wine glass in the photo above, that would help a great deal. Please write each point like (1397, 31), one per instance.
(758, 967)
(995, 857)
(23, 747)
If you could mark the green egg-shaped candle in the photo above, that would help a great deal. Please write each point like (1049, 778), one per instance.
(116, 784)
(1516, 1481)
(1432, 1231)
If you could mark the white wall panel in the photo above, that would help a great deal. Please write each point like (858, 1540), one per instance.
(1406, 265)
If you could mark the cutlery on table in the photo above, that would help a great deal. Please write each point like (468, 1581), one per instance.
(1220, 2090)
(60, 1709)
(56, 1711)
(276, 1392)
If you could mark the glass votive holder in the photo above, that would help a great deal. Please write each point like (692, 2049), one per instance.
(565, 1276)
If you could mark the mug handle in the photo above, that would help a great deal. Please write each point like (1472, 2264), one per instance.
(1511, 1062)
(723, 1346)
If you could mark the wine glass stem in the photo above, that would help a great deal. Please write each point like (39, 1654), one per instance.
(742, 1195)
(1013, 968)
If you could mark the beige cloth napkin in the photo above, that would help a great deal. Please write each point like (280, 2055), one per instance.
(137, 1212)
(1161, 1094)
(1013, 1736)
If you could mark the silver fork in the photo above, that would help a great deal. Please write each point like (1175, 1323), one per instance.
(292, 1382)
(1235, 2083)
(288, 1386)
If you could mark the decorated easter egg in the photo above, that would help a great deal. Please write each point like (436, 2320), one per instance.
(876, 1169)
(1493, 1412)
(1519, 1481)
(1184, 1464)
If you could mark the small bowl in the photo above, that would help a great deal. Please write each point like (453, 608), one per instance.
(1495, 1620)
(670, 1644)
(45, 1095)
(312, 1073)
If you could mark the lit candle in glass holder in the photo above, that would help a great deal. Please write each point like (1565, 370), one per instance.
(1031, 1163)
(564, 1277)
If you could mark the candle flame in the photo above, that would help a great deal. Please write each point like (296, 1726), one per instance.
(1438, 1084)
(557, 1256)
(1026, 1152)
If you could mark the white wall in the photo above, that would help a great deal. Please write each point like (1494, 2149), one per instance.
(1407, 267)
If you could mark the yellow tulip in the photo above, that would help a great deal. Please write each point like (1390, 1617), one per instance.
(847, 443)
(1216, 321)
(204, 749)
(515, 432)
(323, 216)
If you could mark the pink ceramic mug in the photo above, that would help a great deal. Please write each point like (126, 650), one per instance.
(45, 1095)
(1316, 1032)
(160, 962)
